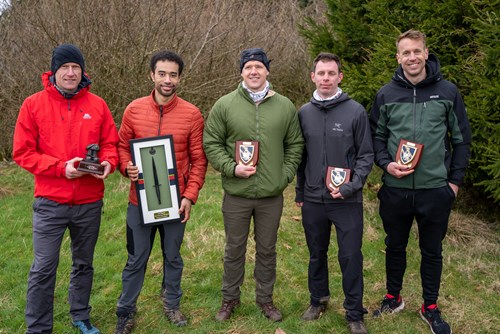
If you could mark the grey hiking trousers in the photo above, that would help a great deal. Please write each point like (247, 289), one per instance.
(140, 240)
(50, 221)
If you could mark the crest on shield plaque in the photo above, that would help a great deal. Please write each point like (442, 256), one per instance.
(335, 177)
(409, 153)
(247, 152)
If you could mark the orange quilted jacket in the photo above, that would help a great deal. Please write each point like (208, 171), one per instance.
(144, 118)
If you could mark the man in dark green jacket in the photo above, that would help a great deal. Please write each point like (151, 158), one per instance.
(253, 187)
(418, 107)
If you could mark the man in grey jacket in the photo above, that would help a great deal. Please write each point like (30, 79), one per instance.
(337, 158)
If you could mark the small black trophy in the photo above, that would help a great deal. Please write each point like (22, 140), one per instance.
(91, 162)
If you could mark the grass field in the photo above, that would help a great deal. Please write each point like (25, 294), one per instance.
(469, 292)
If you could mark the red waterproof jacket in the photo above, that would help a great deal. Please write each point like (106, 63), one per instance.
(144, 118)
(52, 129)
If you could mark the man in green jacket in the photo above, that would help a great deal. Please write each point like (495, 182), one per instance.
(418, 117)
(267, 122)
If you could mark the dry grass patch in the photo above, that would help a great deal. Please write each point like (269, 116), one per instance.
(464, 229)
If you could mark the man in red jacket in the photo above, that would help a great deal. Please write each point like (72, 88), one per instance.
(160, 113)
(53, 130)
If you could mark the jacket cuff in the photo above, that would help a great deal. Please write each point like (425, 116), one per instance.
(346, 190)
(299, 196)
(384, 165)
(61, 169)
(234, 170)
(113, 167)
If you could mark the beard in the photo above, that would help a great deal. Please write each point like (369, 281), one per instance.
(166, 94)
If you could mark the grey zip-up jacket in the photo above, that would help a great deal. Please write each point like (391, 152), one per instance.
(336, 134)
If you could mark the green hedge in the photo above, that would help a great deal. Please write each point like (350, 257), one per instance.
(463, 34)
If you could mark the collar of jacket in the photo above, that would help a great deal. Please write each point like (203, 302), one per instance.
(432, 69)
(329, 104)
(247, 97)
(171, 104)
(50, 87)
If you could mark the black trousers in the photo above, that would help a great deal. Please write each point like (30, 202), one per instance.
(347, 218)
(431, 209)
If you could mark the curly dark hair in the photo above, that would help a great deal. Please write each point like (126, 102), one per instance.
(166, 55)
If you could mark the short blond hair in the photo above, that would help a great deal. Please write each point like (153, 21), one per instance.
(411, 34)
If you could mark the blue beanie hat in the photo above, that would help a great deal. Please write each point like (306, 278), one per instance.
(66, 53)
(253, 54)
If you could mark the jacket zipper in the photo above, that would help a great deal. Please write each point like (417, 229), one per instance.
(257, 137)
(69, 127)
(414, 113)
(257, 132)
(325, 155)
(414, 136)
(161, 119)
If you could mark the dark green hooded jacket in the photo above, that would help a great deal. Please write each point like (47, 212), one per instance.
(431, 113)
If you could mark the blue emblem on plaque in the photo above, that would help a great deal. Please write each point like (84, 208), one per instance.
(337, 177)
(246, 152)
(407, 153)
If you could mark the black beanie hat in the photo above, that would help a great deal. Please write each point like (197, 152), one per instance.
(66, 53)
(253, 54)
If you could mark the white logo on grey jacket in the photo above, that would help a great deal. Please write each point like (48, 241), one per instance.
(337, 127)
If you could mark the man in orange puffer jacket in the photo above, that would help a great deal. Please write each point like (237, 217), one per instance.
(160, 113)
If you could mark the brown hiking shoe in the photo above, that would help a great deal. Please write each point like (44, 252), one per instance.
(313, 312)
(357, 327)
(125, 323)
(175, 316)
(226, 309)
(270, 311)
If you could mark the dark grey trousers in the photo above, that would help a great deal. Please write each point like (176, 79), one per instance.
(50, 221)
(237, 212)
(347, 218)
(140, 240)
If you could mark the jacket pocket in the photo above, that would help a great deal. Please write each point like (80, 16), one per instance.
(450, 191)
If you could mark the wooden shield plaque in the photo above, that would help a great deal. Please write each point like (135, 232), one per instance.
(246, 152)
(409, 153)
(335, 177)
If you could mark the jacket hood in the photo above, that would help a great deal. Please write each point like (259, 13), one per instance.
(330, 103)
(48, 82)
(432, 68)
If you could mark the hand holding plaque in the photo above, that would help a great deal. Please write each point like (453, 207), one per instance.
(91, 162)
(409, 153)
(335, 177)
(246, 152)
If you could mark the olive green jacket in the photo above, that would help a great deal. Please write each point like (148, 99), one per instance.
(273, 123)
